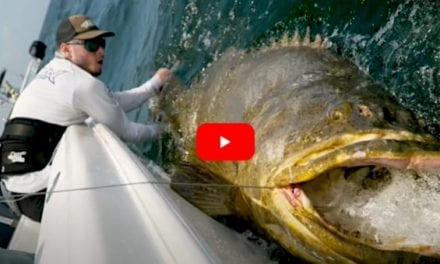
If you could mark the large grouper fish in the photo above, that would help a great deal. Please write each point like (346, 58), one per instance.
(341, 172)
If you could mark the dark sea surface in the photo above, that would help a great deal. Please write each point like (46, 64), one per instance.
(397, 42)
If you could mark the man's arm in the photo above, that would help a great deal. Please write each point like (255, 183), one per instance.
(133, 98)
(93, 98)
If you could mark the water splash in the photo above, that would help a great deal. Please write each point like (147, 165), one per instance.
(387, 206)
(404, 55)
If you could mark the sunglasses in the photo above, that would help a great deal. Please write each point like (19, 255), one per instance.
(91, 45)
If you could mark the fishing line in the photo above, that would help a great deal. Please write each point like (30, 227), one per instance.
(23, 196)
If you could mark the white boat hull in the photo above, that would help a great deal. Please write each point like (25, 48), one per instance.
(105, 206)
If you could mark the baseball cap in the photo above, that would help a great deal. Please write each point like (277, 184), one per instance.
(79, 27)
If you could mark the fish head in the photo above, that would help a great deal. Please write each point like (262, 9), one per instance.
(361, 197)
(338, 161)
(341, 173)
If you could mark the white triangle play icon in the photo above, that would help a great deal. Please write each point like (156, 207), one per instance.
(224, 142)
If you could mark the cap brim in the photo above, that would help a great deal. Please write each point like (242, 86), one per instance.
(94, 34)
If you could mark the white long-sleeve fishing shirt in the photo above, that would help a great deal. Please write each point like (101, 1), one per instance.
(64, 94)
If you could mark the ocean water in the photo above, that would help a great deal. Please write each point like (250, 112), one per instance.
(396, 41)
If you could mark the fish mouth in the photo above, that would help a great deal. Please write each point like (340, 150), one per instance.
(380, 190)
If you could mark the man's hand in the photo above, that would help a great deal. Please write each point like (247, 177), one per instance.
(163, 74)
(157, 129)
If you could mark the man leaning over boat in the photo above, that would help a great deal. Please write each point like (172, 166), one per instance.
(66, 92)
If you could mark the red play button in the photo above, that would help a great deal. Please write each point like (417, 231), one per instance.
(225, 141)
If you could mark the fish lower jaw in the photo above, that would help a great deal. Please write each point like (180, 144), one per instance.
(368, 205)
(302, 205)
(292, 231)
(304, 233)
